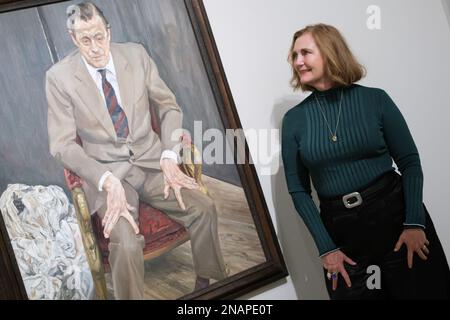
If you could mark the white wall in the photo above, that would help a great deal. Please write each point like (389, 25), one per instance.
(408, 58)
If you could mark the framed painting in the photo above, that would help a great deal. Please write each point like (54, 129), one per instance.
(52, 243)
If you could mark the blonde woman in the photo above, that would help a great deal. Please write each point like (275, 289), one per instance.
(345, 137)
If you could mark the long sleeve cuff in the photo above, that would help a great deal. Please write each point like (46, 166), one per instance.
(415, 214)
(102, 180)
(331, 251)
(169, 154)
(413, 226)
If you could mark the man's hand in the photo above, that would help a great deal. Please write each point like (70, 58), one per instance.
(334, 263)
(415, 241)
(175, 179)
(117, 206)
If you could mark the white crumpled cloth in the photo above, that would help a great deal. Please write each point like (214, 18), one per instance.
(47, 243)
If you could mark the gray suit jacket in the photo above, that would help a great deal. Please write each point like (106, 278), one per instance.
(75, 107)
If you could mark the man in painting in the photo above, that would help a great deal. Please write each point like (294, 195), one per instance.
(101, 93)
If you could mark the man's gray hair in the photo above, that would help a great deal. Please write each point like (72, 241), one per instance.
(84, 11)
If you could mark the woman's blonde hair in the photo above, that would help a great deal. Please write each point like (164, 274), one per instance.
(340, 65)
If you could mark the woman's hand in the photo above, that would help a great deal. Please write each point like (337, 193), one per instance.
(415, 241)
(334, 263)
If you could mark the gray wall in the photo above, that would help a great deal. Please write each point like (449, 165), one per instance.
(24, 57)
(33, 39)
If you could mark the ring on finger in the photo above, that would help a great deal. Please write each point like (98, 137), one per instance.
(332, 275)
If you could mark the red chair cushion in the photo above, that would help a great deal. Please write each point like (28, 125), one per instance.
(72, 180)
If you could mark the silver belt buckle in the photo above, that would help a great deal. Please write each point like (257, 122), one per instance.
(349, 196)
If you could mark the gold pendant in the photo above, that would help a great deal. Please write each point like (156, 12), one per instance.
(334, 138)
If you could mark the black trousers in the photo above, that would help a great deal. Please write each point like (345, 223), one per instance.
(368, 233)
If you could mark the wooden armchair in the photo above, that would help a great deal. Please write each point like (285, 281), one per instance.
(161, 233)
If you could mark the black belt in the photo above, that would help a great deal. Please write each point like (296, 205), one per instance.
(355, 199)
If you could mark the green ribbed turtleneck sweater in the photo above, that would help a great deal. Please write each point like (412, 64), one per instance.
(372, 132)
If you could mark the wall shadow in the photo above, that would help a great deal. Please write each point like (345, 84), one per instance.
(299, 249)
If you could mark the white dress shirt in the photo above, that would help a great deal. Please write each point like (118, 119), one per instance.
(110, 76)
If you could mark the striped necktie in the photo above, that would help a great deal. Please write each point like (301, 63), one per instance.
(117, 114)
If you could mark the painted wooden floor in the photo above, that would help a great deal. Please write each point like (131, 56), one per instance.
(171, 275)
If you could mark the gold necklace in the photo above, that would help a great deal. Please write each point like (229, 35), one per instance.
(333, 136)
